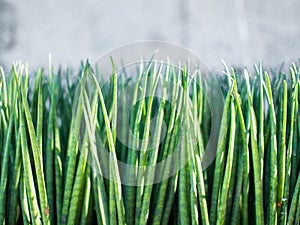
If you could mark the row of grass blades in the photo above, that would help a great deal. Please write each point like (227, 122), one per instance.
(266, 184)
(52, 173)
(31, 162)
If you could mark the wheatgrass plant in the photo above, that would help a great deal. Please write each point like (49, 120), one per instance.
(52, 173)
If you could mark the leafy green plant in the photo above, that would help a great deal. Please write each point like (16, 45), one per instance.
(51, 172)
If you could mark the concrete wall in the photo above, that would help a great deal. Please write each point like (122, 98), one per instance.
(240, 32)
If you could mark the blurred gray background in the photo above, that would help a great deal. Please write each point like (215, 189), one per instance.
(240, 32)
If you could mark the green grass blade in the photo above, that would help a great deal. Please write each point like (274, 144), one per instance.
(37, 161)
(282, 148)
(272, 198)
(35, 213)
(258, 190)
(228, 168)
(4, 168)
(219, 163)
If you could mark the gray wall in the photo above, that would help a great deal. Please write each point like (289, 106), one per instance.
(240, 32)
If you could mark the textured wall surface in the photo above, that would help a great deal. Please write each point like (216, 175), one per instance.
(240, 32)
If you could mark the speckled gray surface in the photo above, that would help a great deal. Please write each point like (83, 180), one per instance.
(240, 32)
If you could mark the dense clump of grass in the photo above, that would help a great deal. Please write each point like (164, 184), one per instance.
(51, 175)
